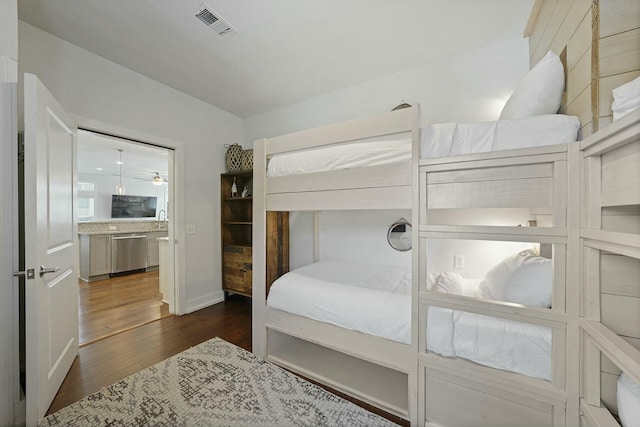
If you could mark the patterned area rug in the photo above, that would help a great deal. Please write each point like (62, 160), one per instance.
(213, 384)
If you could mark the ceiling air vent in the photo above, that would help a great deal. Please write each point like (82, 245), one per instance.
(214, 21)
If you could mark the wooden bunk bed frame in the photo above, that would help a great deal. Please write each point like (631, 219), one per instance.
(375, 370)
(610, 239)
(536, 178)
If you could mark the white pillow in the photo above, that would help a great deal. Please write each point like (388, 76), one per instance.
(626, 98)
(628, 401)
(450, 283)
(497, 278)
(532, 283)
(539, 92)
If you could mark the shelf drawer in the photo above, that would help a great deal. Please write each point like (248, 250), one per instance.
(237, 268)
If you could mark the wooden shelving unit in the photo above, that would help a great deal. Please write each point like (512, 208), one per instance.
(236, 220)
(236, 223)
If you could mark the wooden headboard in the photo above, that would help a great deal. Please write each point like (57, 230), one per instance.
(599, 43)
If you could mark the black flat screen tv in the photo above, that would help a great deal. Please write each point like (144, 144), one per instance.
(133, 206)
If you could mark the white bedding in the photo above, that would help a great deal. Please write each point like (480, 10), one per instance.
(450, 139)
(438, 140)
(341, 156)
(499, 343)
(375, 300)
(628, 398)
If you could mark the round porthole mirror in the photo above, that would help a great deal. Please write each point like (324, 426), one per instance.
(399, 235)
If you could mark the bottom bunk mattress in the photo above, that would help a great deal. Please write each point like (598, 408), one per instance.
(375, 300)
(513, 346)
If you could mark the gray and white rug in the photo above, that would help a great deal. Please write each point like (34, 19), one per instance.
(213, 384)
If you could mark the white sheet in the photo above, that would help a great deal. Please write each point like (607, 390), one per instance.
(341, 156)
(628, 398)
(499, 343)
(375, 300)
(449, 139)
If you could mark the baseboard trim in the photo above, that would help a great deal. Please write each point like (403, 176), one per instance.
(204, 301)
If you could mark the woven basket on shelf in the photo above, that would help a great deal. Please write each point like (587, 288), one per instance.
(233, 158)
(247, 159)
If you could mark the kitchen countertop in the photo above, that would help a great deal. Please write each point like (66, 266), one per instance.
(96, 233)
(121, 227)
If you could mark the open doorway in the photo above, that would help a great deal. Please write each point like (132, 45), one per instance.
(123, 225)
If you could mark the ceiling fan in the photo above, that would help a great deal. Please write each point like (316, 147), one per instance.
(157, 179)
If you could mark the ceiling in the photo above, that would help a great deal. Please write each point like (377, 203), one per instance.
(139, 161)
(285, 51)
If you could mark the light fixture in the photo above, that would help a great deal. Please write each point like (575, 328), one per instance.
(120, 187)
(157, 179)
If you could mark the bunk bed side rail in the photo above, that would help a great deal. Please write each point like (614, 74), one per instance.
(388, 123)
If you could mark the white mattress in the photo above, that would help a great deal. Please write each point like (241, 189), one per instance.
(499, 343)
(342, 156)
(375, 300)
(628, 399)
(450, 139)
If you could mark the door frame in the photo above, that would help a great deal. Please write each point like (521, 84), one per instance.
(10, 406)
(176, 195)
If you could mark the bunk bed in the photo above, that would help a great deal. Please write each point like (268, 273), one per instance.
(535, 179)
(323, 169)
(610, 241)
(501, 348)
(378, 367)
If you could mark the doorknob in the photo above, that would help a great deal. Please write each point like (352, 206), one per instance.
(44, 270)
(28, 274)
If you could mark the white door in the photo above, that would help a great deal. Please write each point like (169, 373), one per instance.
(50, 246)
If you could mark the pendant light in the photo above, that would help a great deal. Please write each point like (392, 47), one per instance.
(120, 187)
(157, 179)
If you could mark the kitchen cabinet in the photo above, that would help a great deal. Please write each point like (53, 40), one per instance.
(95, 256)
(153, 247)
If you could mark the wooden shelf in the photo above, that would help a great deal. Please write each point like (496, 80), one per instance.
(237, 199)
(372, 383)
(236, 228)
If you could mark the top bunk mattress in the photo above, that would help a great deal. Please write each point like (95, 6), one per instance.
(438, 140)
(375, 300)
(342, 156)
(452, 139)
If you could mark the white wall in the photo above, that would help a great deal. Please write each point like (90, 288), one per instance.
(352, 236)
(8, 223)
(96, 89)
(472, 86)
(9, 29)
(469, 87)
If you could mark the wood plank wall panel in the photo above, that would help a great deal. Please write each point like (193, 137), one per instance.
(539, 27)
(607, 84)
(621, 219)
(566, 24)
(621, 314)
(554, 24)
(579, 78)
(619, 50)
(580, 40)
(616, 51)
(620, 276)
(620, 53)
(617, 16)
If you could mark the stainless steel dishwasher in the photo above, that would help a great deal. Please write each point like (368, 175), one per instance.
(128, 252)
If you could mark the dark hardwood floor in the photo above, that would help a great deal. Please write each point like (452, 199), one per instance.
(109, 360)
(110, 306)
